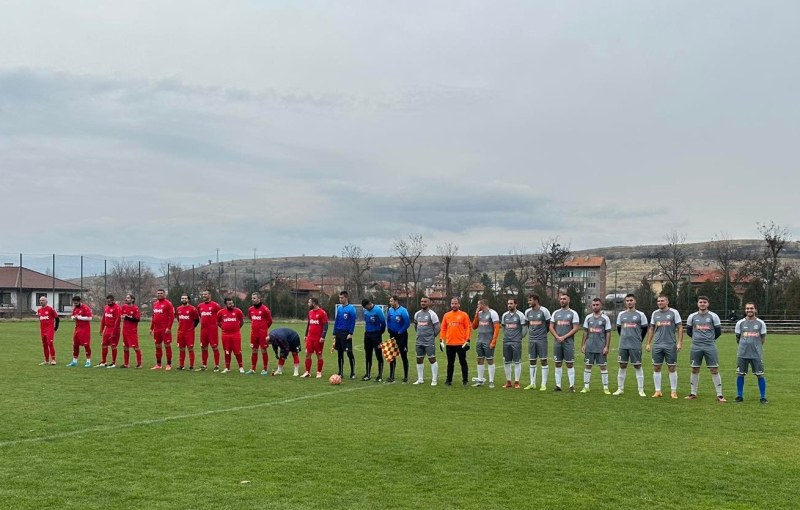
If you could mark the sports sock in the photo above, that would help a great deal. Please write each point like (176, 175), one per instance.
(308, 364)
(320, 363)
(507, 370)
(340, 360)
(46, 350)
(239, 359)
(545, 373)
(604, 378)
(532, 374)
(392, 367)
(52, 346)
(368, 366)
(228, 359)
(739, 385)
(517, 371)
(191, 358)
(88, 349)
(693, 380)
(673, 381)
(104, 354)
(717, 378)
(587, 376)
(492, 369)
(404, 359)
(640, 378)
(182, 357)
(571, 375)
(168, 349)
(420, 371)
(126, 356)
(657, 380)
(138, 356)
(481, 369)
(216, 357)
(113, 355)
(558, 376)
(159, 353)
(435, 370)
(75, 351)
(253, 361)
(205, 356)
(762, 386)
(352, 359)
(621, 375)
(265, 359)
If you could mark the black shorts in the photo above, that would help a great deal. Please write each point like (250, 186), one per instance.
(343, 344)
(372, 340)
(401, 339)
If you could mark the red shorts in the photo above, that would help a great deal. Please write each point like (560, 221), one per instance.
(314, 346)
(258, 340)
(162, 336)
(130, 339)
(209, 336)
(48, 337)
(81, 338)
(232, 342)
(110, 338)
(186, 339)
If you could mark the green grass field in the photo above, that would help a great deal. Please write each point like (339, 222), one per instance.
(102, 438)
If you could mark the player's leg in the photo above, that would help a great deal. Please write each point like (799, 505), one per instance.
(158, 339)
(227, 345)
(214, 342)
(462, 360)
(114, 349)
(296, 359)
(450, 351)
(569, 359)
(531, 365)
(696, 361)
(741, 372)
(431, 352)
(309, 351)
(237, 350)
(75, 350)
(712, 362)
(622, 358)
(318, 345)
(126, 350)
(52, 347)
(758, 369)
(402, 345)
(659, 353)
(181, 350)
(420, 352)
(508, 354)
(558, 359)
(516, 359)
(45, 350)
(340, 354)
(254, 351)
(351, 357)
(104, 344)
(604, 374)
(587, 372)
(367, 358)
(542, 355)
(168, 348)
(190, 348)
(376, 348)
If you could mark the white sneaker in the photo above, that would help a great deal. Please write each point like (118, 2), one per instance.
(619, 392)
(642, 393)
(478, 379)
(241, 370)
(306, 374)
(319, 375)
(433, 383)
(419, 381)
(226, 371)
(296, 373)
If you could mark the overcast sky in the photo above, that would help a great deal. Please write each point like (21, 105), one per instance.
(175, 128)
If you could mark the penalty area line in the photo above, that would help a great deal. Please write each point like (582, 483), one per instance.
(167, 419)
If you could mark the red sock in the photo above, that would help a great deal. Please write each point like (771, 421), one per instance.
(88, 352)
(227, 360)
(265, 359)
(254, 361)
(320, 362)
(168, 347)
(46, 350)
(191, 358)
(239, 359)
(75, 350)
(126, 355)
(205, 356)
(52, 351)
(113, 355)
(296, 358)
(159, 354)
(308, 364)
(105, 354)
(281, 361)
(183, 357)
(138, 356)
(216, 357)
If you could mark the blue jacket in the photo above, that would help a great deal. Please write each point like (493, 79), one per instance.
(345, 319)
(398, 321)
(374, 320)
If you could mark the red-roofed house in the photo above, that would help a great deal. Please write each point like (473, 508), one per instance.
(587, 272)
(21, 288)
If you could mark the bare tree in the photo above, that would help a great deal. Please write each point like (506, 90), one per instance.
(523, 264)
(727, 258)
(447, 253)
(548, 262)
(410, 254)
(672, 258)
(767, 265)
(124, 278)
(359, 263)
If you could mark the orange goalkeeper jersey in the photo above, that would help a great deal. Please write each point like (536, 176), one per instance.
(456, 327)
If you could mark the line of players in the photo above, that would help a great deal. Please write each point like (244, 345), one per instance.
(663, 333)
(214, 321)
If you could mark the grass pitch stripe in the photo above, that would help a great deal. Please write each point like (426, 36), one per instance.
(166, 419)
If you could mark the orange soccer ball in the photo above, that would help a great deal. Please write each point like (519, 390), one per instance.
(335, 379)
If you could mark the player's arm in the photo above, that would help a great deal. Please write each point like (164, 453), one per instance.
(58, 322)
(475, 321)
(268, 317)
(524, 321)
(351, 324)
(170, 317)
(406, 321)
(553, 331)
(240, 316)
(307, 325)
(644, 324)
(619, 325)
(608, 337)
(650, 330)
(585, 334)
(680, 336)
(495, 334)
(717, 327)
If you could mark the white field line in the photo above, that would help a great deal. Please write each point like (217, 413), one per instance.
(166, 419)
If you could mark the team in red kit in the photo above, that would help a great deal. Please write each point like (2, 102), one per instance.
(161, 329)
(260, 322)
(110, 331)
(209, 334)
(230, 320)
(188, 319)
(48, 324)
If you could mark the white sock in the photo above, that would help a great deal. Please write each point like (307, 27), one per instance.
(420, 371)
(492, 369)
(481, 368)
(571, 376)
(517, 371)
(532, 372)
(587, 376)
(640, 378)
(717, 378)
(558, 376)
(657, 380)
(604, 378)
(507, 370)
(693, 380)
(673, 381)
(545, 373)
(623, 372)
(435, 370)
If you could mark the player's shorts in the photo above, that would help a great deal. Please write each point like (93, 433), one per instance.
(426, 350)
(401, 339)
(483, 350)
(595, 358)
(343, 344)
(258, 340)
(630, 356)
(186, 339)
(564, 352)
(232, 342)
(130, 339)
(110, 338)
(665, 354)
(537, 349)
(294, 347)
(372, 341)
(162, 336)
(512, 352)
(48, 337)
(314, 346)
(709, 354)
(83, 338)
(209, 336)
(756, 364)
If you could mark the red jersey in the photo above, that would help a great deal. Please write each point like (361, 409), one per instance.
(82, 311)
(111, 318)
(261, 319)
(163, 315)
(230, 320)
(317, 319)
(208, 314)
(130, 319)
(47, 319)
(187, 317)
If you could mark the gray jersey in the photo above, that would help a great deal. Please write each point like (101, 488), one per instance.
(596, 327)
(703, 324)
(750, 333)
(665, 324)
(427, 325)
(563, 320)
(486, 322)
(513, 326)
(538, 321)
(630, 323)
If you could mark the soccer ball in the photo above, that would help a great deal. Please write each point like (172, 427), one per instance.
(335, 379)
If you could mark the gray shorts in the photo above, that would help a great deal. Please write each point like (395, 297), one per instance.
(564, 352)
(709, 354)
(595, 358)
(426, 350)
(484, 351)
(512, 352)
(537, 350)
(630, 356)
(664, 353)
(756, 364)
